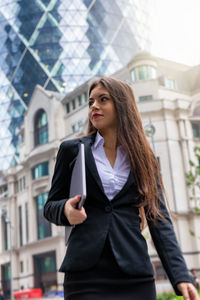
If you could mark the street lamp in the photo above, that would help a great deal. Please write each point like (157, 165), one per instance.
(8, 222)
(150, 131)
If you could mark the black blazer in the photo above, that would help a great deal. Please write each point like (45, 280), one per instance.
(117, 219)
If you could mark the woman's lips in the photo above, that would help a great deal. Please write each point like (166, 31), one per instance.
(95, 116)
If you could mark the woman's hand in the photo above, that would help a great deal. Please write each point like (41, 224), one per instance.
(188, 291)
(74, 215)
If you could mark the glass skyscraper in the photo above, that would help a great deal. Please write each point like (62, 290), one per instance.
(60, 44)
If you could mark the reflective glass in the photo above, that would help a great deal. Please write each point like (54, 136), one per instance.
(43, 226)
(41, 128)
(61, 44)
(143, 72)
(40, 170)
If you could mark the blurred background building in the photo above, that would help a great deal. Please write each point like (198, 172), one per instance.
(167, 95)
(49, 51)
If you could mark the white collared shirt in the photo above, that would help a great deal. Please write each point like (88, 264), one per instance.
(113, 179)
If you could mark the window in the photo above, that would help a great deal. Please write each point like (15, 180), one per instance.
(24, 182)
(170, 84)
(143, 73)
(21, 267)
(41, 128)
(133, 75)
(160, 273)
(5, 231)
(20, 184)
(43, 226)
(74, 104)
(75, 128)
(196, 130)
(20, 226)
(4, 190)
(80, 123)
(152, 72)
(6, 271)
(27, 224)
(68, 108)
(40, 170)
(196, 122)
(16, 187)
(145, 98)
(85, 97)
(79, 100)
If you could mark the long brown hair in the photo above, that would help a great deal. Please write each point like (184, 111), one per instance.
(131, 135)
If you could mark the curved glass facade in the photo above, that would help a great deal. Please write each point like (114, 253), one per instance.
(60, 44)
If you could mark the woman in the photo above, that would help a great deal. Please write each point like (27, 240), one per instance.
(107, 255)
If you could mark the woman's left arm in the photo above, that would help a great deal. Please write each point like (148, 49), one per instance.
(168, 249)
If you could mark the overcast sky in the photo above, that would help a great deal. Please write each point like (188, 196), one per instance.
(176, 30)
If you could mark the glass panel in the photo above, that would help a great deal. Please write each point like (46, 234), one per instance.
(133, 75)
(44, 227)
(196, 130)
(27, 223)
(79, 100)
(20, 227)
(145, 98)
(41, 128)
(74, 104)
(152, 72)
(68, 107)
(143, 72)
(170, 84)
(40, 170)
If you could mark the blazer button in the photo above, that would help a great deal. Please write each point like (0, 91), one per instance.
(108, 208)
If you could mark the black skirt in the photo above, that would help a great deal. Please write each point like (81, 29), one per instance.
(106, 281)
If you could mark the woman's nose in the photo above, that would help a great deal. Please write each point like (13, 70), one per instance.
(95, 105)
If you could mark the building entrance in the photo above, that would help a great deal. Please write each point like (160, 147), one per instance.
(45, 274)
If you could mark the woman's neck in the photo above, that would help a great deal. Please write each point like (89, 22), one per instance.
(110, 139)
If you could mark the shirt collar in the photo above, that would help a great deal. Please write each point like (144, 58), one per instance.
(99, 140)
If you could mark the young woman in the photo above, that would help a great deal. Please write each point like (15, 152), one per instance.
(107, 254)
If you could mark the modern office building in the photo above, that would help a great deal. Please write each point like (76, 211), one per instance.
(60, 44)
(168, 97)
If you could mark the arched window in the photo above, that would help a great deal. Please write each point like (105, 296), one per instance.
(41, 128)
(196, 122)
(143, 72)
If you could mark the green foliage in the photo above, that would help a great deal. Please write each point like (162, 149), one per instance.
(168, 296)
(197, 211)
(192, 232)
(193, 177)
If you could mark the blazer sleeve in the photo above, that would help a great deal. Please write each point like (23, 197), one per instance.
(59, 192)
(167, 246)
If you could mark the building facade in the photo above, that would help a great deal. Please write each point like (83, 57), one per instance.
(168, 97)
(60, 44)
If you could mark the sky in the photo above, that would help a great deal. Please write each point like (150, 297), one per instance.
(176, 30)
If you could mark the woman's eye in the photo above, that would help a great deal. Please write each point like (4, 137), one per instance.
(90, 103)
(104, 99)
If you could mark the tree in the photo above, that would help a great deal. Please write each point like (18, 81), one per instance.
(193, 180)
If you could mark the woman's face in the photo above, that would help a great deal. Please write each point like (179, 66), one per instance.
(102, 112)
